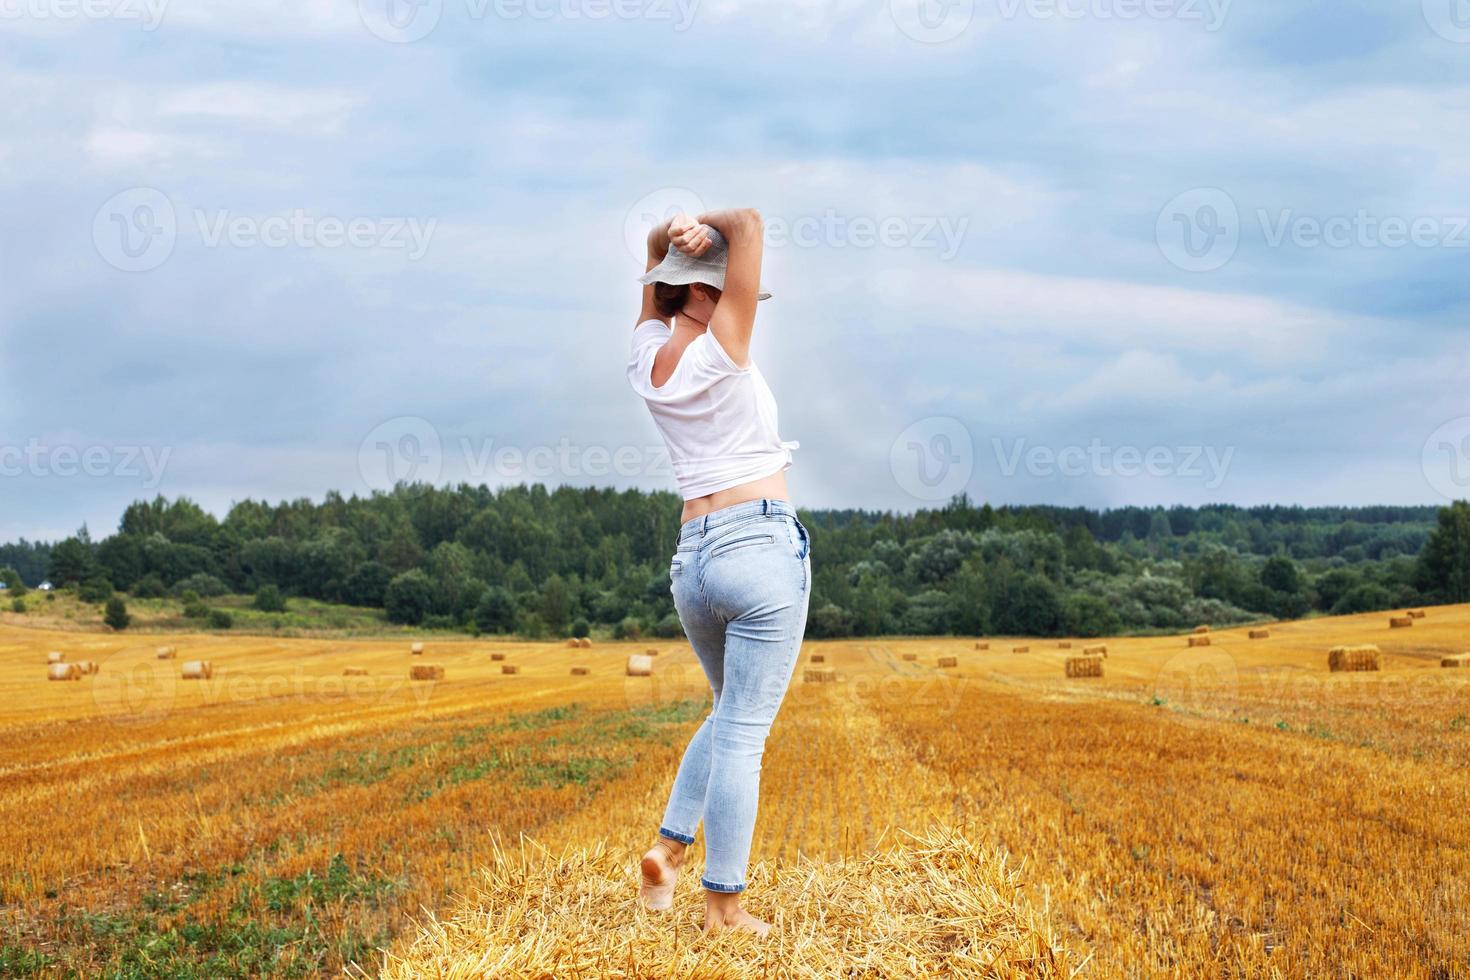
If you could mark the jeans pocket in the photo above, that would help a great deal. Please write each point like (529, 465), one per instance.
(801, 544)
(744, 541)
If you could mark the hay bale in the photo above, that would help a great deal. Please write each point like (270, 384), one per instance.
(497, 657)
(820, 675)
(1456, 660)
(572, 643)
(1201, 629)
(1416, 614)
(56, 657)
(63, 672)
(1260, 634)
(510, 668)
(911, 657)
(88, 666)
(949, 661)
(818, 658)
(1199, 641)
(1064, 645)
(640, 665)
(1354, 658)
(584, 642)
(650, 653)
(1020, 649)
(355, 672)
(581, 671)
(426, 672)
(417, 649)
(1096, 650)
(1400, 623)
(197, 670)
(167, 653)
(982, 646)
(1084, 666)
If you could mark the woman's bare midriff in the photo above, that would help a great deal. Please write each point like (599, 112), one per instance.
(771, 487)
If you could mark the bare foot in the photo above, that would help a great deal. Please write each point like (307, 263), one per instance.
(734, 920)
(660, 870)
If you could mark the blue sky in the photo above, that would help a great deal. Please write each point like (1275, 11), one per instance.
(1086, 252)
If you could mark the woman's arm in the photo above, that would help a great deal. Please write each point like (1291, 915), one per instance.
(658, 247)
(734, 317)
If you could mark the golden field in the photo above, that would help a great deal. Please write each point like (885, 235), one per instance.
(1224, 810)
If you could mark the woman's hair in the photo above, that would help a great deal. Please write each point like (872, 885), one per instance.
(669, 299)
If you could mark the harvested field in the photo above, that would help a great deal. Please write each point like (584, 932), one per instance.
(1244, 806)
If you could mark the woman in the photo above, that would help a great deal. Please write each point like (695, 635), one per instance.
(740, 575)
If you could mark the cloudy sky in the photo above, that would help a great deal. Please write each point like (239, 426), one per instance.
(1069, 251)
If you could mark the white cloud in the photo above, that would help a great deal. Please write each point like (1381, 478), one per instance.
(275, 106)
(111, 147)
(1113, 315)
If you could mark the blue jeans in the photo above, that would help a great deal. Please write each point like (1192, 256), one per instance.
(741, 580)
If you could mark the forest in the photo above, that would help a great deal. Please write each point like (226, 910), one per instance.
(540, 562)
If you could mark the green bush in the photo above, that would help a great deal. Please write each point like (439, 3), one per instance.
(410, 597)
(203, 584)
(496, 612)
(628, 629)
(668, 628)
(116, 615)
(1364, 598)
(829, 620)
(1087, 615)
(95, 590)
(367, 584)
(220, 620)
(13, 581)
(196, 610)
(18, 605)
(269, 599)
(531, 626)
(149, 587)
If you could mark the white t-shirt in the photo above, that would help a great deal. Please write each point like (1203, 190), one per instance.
(718, 419)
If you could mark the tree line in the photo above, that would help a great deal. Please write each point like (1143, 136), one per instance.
(538, 562)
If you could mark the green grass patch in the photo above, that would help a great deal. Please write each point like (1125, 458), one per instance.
(17, 961)
(578, 771)
(339, 883)
(289, 940)
(543, 718)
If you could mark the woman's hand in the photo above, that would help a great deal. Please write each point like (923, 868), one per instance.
(689, 236)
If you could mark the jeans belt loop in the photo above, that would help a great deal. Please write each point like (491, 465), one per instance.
(765, 507)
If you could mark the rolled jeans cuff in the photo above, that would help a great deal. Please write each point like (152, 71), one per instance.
(681, 838)
(712, 886)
